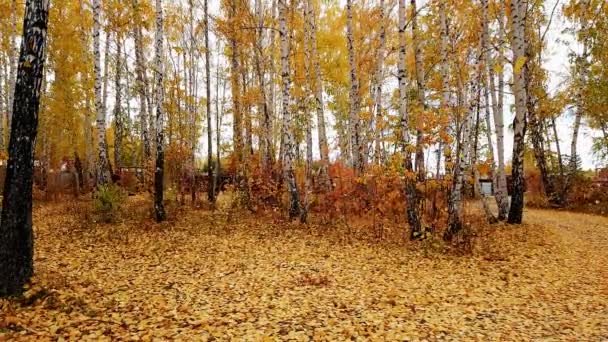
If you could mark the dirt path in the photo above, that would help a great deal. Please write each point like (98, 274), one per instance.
(226, 278)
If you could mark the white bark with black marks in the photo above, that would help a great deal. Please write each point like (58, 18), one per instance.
(410, 178)
(159, 207)
(379, 79)
(495, 71)
(357, 155)
(103, 169)
(16, 234)
(518, 44)
(118, 114)
(288, 134)
(583, 76)
(141, 80)
(318, 92)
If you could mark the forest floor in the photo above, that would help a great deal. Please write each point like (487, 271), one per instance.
(224, 276)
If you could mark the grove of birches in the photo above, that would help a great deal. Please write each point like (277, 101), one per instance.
(346, 124)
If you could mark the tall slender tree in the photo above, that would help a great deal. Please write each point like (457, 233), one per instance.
(318, 93)
(410, 178)
(357, 155)
(118, 113)
(159, 207)
(518, 44)
(582, 78)
(103, 168)
(421, 90)
(211, 192)
(495, 71)
(16, 235)
(445, 77)
(288, 133)
(141, 79)
(379, 80)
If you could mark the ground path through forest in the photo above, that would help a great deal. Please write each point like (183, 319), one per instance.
(226, 277)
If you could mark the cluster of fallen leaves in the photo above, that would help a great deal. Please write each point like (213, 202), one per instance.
(224, 276)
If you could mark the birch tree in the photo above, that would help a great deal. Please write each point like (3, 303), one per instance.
(583, 76)
(16, 234)
(421, 89)
(518, 45)
(410, 178)
(159, 207)
(211, 192)
(103, 170)
(141, 80)
(88, 134)
(355, 102)
(445, 79)
(497, 96)
(318, 93)
(379, 79)
(463, 150)
(237, 120)
(265, 140)
(287, 131)
(118, 114)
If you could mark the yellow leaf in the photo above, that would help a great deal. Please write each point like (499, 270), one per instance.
(498, 68)
(519, 63)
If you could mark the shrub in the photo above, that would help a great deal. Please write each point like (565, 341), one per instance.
(108, 202)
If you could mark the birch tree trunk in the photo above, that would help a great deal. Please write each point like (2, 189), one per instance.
(518, 42)
(12, 56)
(16, 234)
(118, 115)
(237, 122)
(305, 112)
(159, 207)
(410, 178)
(467, 142)
(318, 92)
(288, 134)
(355, 101)
(379, 78)
(534, 59)
(103, 170)
(455, 205)
(558, 149)
(247, 109)
(420, 83)
(141, 80)
(88, 135)
(211, 192)
(266, 121)
(217, 113)
(445, 80)
(487, 58)
(582, 80)
(271, 81)
(497, 95)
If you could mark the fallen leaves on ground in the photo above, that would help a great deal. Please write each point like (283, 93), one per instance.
(223, 276)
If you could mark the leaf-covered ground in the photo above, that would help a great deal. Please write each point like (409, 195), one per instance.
(227, 276)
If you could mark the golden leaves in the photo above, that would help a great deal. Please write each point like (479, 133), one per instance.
(206, 278)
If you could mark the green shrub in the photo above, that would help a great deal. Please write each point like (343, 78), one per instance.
(108, 202)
